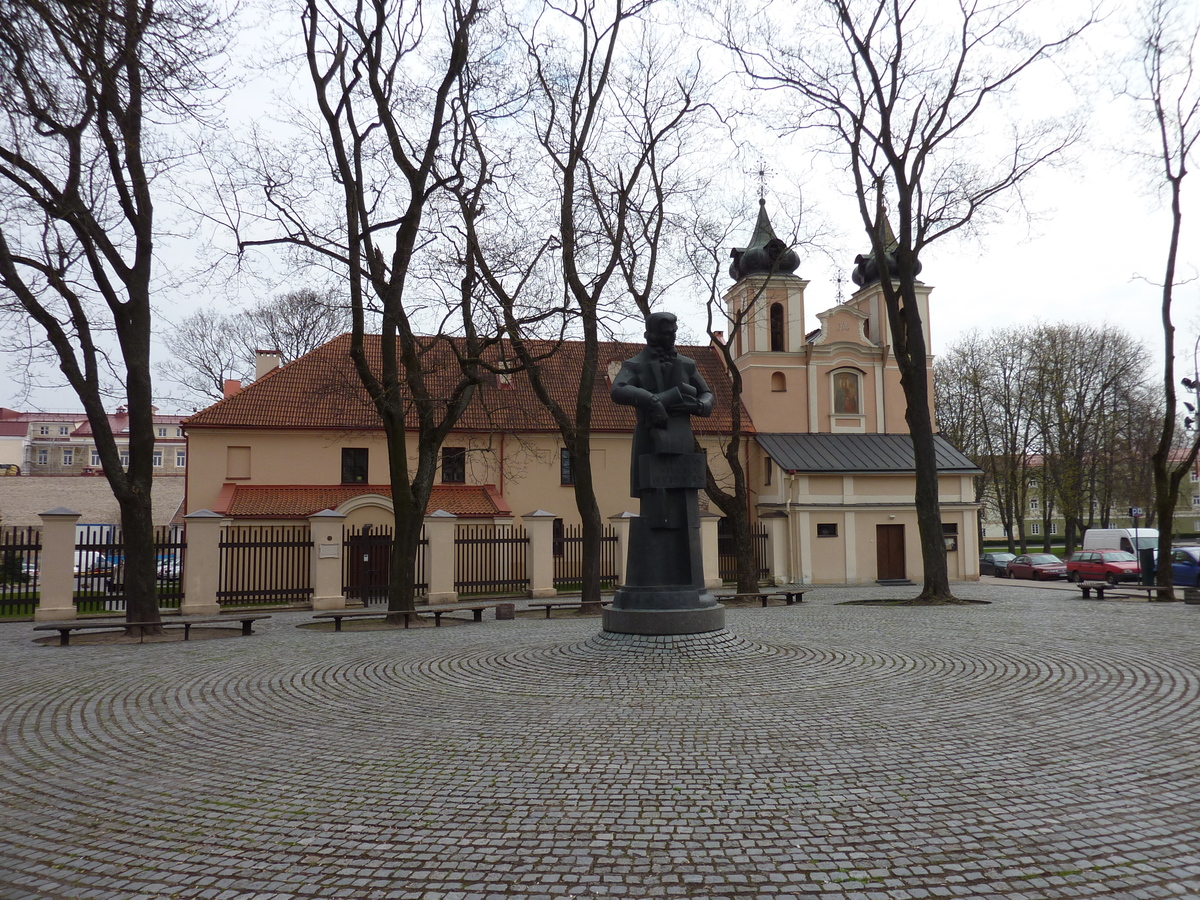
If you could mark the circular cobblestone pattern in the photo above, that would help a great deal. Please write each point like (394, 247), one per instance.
(1039, 747)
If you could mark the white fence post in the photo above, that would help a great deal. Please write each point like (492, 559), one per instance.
(56, 569)
(710, 550)
(202, 565)
(327, 529)
(539, 563)
(620, 524)
(439, 556)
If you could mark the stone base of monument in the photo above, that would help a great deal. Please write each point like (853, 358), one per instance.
(663, 610)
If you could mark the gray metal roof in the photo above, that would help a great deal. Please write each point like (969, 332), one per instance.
(862, 453)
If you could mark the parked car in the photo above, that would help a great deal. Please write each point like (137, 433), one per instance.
(90, 562)
(1185, 566)
(1038, 566)
(168, 568)
(995, 563)
(1112, 566)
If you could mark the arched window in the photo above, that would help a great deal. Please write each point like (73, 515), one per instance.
(777, 328)
(778, 382)
(847, 396)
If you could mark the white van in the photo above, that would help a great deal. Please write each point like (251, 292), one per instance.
(1131, 539)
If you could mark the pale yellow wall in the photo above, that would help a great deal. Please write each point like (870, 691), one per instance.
(828, 553)
(524, 468)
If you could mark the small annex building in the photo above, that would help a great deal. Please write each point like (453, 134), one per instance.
(826, 450)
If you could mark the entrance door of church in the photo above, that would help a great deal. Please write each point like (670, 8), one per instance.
(889, 551)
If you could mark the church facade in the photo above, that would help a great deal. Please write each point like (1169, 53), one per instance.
(828, 458)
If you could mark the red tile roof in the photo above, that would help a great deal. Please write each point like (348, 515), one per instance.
(286, 501)
(321, 390)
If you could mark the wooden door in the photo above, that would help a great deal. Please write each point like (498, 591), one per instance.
(889, 551)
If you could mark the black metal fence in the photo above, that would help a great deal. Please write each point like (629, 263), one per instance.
(265, 564)
(727, 557)
(20, 562)
(490, 559)
(568, 556)
(366, 566)
(99, 567)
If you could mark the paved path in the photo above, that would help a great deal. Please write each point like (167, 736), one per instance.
(1040, 747)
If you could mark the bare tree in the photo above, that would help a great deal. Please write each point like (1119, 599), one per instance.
(606, 117)
(385, 75)
(1166, 91)
(82, 88)
(905, 95)
(209, 348)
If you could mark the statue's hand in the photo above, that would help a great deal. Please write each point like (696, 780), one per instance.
(657, 412)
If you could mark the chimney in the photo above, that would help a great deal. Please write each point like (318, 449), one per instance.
(265, 361)
(232, 386)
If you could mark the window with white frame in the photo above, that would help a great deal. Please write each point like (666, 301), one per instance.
(95, 457)
(1195, 476)
(180, 459)
(178, 432)
(1054, 528)
(1033, 502)
(43, 429)
(1196, 500)
(43, 457)
(162, 432)
(68, 456)
(1035, 527)
(124, 459)
(64, 429)
(157, 459)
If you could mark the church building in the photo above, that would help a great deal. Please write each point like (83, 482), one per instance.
(829, 461)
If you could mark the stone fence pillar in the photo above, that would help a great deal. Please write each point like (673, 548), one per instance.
(439, 556)
(56, 567)
(327, 529)
(779, 557)
(620, 524)
(202, 565)
(710, 550)
(539, 561)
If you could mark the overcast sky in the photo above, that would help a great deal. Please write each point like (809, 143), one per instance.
(1094, 252)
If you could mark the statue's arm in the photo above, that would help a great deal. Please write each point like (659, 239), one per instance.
(628, 392)
(703, 395)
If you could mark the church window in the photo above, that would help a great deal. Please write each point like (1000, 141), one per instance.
(777, 328)
(778, 382)
(846, 394)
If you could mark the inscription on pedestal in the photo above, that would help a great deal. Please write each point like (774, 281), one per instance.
(682, 470)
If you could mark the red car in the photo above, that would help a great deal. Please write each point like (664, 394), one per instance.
(1038, 566)
(1112, 566)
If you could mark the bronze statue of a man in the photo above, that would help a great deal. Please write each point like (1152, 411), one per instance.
(664, 589)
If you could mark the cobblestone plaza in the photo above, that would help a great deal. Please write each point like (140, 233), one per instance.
(1041, 746)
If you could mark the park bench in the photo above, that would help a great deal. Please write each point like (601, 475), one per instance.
(1117, 591)
(438, 610)
(788, 595)
(549, 605)
(64, 629)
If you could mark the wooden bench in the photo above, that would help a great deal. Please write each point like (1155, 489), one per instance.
(788, 596)
(438, 611)
(549, 605)
(64, 629)
(1118, 591)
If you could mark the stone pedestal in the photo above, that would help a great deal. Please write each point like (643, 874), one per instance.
(665, 591)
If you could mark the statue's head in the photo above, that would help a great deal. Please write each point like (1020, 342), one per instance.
(660, 329)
